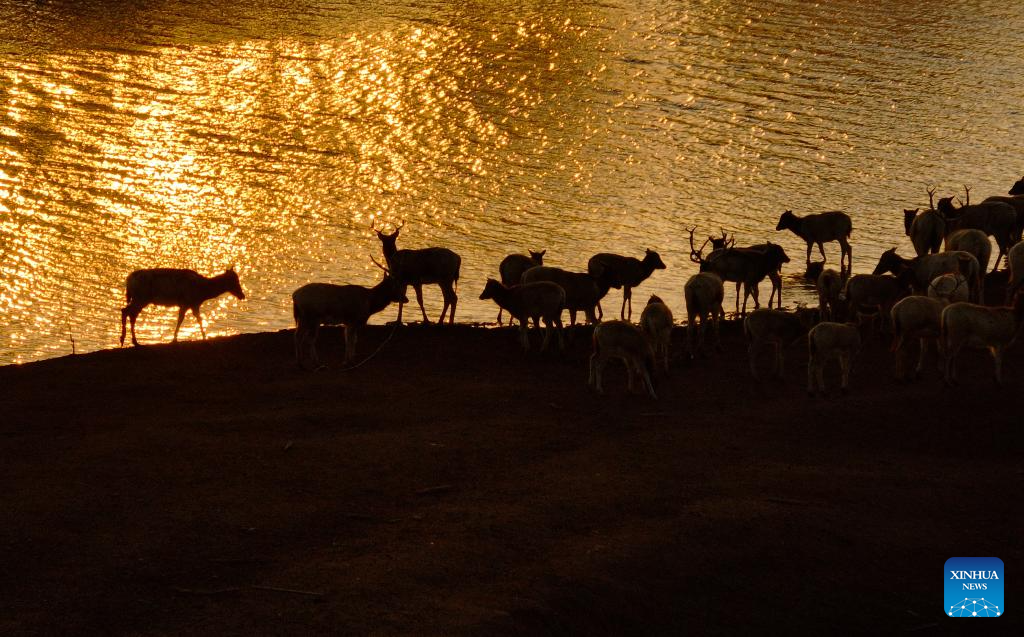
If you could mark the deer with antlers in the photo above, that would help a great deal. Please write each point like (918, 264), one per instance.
(420, 267)
(997, 219)
(745, 266)
(317, 304)
(925, 228)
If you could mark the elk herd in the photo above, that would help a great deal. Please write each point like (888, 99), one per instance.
(933, 301)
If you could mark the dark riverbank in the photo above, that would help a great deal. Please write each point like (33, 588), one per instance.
(452, 484)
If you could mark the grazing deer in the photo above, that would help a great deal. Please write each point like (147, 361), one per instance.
(512, 268)
(994, 218)
(420, 267)
(540, 300)
(582, 291)
(820, 229)
(317, 304)
(625, 341)
(744, 266)
(624, 272)
(184, 289)
(926, 268)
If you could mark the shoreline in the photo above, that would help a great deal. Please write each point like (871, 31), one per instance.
(453, 484)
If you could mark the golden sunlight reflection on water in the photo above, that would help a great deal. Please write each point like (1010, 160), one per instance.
(203, 136)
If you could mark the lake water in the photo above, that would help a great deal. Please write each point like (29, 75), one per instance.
(268, 134)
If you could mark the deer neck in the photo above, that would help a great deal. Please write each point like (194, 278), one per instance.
(215, 286)
(379, 297)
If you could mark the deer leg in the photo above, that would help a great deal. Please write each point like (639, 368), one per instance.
(133, 315)
(350, 343)
(810, 376)
(400, 305)
(738, 297)
(547, 335)
(600, 310)
(500, 309)
(451, 299)
(181, 317)
(752, 355)
(844, 364)
(997, 356)
(809, 246)
(199, 319)
(595, 372)
(821, 249)
(625, 299)
(124, 320)
(419, 299)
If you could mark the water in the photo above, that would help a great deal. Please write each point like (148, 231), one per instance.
(268, 134)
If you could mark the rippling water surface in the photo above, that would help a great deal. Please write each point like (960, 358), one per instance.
(268, 134)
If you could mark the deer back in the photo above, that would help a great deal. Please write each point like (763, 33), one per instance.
(425, 265)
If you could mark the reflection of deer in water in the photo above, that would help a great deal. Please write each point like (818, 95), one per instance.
(317, 304)
(420, 267)
(184, 289)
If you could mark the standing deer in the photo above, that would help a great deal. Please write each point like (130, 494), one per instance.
(420, 267)
(512, 268)
(184, 289)
(820, 229)
(317, 304)
(994, 218)
(624, 272)
(744, 266)
(925, 229)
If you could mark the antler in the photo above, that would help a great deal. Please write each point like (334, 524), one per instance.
(726, 241)
(931, 196)
(386, 271)
(967, 194)
(695, 255)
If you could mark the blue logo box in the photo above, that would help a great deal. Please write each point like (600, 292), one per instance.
(974, 587)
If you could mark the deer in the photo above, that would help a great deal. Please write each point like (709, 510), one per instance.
(994, 218)
(625, 341)
(582, 291)
(1016, 259)
(513, 266)
(624, 272)
(656, 323)
(915, 317)
(316, 304)
(420, 267)
(827, 341)
(971, 325)
(1017, 188)
(974, 241)
(778, 329)
(171, 287)
(524, 301)
(703, 293)
(819, 229)
(925, 228)
(829, 286)
(926, 268)
(744, 266)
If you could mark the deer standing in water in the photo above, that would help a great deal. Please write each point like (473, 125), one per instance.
(184, 289)
(820, 229)
(419, 267)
